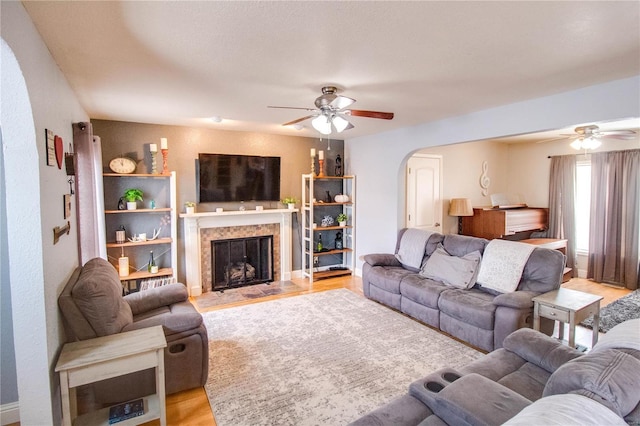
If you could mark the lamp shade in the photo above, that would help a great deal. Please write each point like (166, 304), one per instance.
(322, 124)
(460, 207)
(340, 123)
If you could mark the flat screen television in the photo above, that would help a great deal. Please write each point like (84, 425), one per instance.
(226, 178)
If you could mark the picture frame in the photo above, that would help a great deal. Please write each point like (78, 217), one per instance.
(50, 147)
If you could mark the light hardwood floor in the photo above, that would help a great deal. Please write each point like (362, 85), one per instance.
(192, 407)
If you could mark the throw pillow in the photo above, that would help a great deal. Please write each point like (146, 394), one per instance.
(459, 272)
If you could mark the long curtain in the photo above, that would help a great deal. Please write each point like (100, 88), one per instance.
(562, 202)
(89, 203)
(614, 227)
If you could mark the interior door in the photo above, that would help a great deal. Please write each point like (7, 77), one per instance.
(424, 189)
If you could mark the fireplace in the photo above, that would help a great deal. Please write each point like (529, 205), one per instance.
(201, 228)
(239, 262)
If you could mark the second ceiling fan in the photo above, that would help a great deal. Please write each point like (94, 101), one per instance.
(331, 113)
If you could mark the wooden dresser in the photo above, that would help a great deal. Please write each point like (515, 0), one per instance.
(491, 223)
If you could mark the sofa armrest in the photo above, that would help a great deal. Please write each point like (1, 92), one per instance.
(516, 299)
(462, 402)
(172, 323)
(539, 349)
(382, 259)
(148, 300)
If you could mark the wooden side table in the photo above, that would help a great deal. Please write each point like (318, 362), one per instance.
(92, 360)
(567, 306)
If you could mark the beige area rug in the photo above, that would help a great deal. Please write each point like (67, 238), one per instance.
(318, 359)
(216, 298)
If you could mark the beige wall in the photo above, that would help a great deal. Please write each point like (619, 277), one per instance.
(133, 139)
(517, 168)
(528, 166)
(462, 168)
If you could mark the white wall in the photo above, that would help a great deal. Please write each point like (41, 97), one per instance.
(38, 268)
(379, 160)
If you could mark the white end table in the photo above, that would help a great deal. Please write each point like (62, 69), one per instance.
(92, 360)
(567, 306)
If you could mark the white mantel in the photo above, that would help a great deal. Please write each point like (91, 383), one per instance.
(193, 223)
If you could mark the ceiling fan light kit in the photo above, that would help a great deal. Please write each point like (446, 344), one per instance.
(322, 124)
(330, 112)
(585, 143)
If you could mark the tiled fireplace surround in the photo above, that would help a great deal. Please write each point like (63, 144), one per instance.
(202, 228)
(229, 232)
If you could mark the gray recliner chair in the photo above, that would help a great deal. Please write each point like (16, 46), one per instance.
(92, 306)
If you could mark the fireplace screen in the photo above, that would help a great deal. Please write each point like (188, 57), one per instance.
(241, 261)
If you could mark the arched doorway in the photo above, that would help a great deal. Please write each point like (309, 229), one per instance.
(24, 258)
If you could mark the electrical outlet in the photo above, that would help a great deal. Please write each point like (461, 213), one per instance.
(315, 261)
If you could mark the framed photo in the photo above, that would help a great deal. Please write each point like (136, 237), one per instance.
(51, 147)
(67, 205)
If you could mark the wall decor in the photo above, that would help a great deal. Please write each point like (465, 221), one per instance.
(66, 199)
(484, 179)
(50, 145)
(59, 149)
(58, 232)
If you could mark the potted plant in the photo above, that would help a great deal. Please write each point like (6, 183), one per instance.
(190, 207)
(290, 202)
(342, 219)
(132, 195)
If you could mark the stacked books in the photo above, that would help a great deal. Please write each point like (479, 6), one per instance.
(126, 410)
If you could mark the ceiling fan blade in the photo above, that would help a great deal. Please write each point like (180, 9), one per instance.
(370, 114)
(284, 107)
(298, 120)
(617, 136)
(561, 138)
(625, 132)
(341, 102)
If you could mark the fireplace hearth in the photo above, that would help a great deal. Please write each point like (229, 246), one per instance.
(240, 262)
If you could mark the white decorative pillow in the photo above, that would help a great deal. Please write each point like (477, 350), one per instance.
(459, 272)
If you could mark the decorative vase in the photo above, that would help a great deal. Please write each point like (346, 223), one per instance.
(132, 205)
(190, 210)
(291, 206)
(328, 198)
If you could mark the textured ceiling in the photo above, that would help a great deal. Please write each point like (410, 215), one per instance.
(182, 62)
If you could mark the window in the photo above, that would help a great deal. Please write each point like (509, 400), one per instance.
(583, 205)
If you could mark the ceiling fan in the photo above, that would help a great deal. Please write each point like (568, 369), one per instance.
(588, 137)
(330, 112)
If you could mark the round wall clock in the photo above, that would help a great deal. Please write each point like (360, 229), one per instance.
(124, 165)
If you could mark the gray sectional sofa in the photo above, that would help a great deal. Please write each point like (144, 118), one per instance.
(533, 380)
(477, 315)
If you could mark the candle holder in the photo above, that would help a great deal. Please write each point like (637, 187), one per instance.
(313, 165)
(321, 167)
(154, 165)
(165, 157)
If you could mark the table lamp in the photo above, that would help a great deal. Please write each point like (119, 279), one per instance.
(460, 207)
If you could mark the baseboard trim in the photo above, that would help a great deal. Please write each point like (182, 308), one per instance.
(10, 413)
